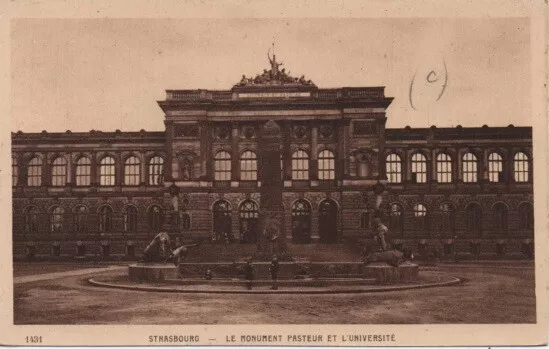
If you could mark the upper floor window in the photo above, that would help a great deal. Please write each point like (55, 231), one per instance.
(34, 174)
(56, 219)
(326, 165)
(14, 171)
(132, 171)
(107, 171)
(156, 166)
(83, 171)
(248, 166)
(59, 172)
(419, 168)
(393, 168)
(222, 166)
(469, 168)
(444, 168)
(300, 165)
(521, 169)
(495, 168)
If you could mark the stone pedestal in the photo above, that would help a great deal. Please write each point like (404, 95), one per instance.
(152, 272)
(386, 274)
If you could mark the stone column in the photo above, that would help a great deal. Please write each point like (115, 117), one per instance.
(457, 166)
(313, 165)
(235, 156)
(287, 150)
(119, 170)
(341, 150)
(94, 175)
(345, 146)
(142, 169)
(432, 167)
(167, 167)
(509, 166)
(46, 173)
(69, 170)
(206, 156)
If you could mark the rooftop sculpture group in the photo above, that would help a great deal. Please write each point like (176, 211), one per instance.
(274, 76)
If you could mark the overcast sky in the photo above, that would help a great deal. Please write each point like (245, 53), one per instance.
(108, 74)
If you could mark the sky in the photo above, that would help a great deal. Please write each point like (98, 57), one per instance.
(107, 74)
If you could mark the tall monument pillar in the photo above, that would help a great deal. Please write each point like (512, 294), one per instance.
(272, 236)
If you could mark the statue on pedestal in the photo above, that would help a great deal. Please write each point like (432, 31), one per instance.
(160, 250)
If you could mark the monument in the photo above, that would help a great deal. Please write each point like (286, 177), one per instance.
(272, 237)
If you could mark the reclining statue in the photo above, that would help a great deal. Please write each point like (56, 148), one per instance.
(383, 253)
(160, 250)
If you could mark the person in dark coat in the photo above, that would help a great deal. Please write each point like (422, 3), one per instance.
(249, 274)
(273, 268)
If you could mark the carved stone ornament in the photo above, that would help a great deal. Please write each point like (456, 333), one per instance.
(300, 132)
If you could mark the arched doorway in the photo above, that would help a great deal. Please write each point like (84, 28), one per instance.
(222, 220)
(327, 221)
(249, 213)
(474, 219)
(301, 222)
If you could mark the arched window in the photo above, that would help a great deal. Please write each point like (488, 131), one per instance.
(83, 171)
(469, 166)
(500, 217)
(107, 174)
(222, 166)
(105, 219)
(222, 219)
(156, 170)
(393, 168)
(80, 218)
(448, 221)
(31, 220)
(396, 222)
(520, 169)
(249, 214)
(185, 221)
(300, 165)
(34, 174)
(474, 218)
(326, 165)
(14, 171)
(131, 171)
(155, 218)
(248, 166)
(56, 219)
(420, 215)
(495, 168)
(419, 168)
(130, 219)
(526, 216)
(444, 168)
(59, 172)
(301, 221)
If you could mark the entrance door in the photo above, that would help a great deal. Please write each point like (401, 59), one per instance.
(327, 221)
(249, 213)
(301, 222)
(222, 220)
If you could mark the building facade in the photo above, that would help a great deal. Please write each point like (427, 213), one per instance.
(108, 193)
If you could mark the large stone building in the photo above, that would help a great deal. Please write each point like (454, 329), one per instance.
(107, 193)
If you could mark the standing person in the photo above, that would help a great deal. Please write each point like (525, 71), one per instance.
(273, 268)
(381, 233)
(249, 274)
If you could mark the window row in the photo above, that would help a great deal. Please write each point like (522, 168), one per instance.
(470, 169)
(82, 171)
(248, 165)
(474, 216)
(80, 219)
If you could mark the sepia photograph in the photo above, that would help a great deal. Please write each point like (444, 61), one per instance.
(274, 171)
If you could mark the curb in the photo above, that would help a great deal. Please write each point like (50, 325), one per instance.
(452, 282)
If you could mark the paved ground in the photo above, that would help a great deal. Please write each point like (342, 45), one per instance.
(494, 293)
